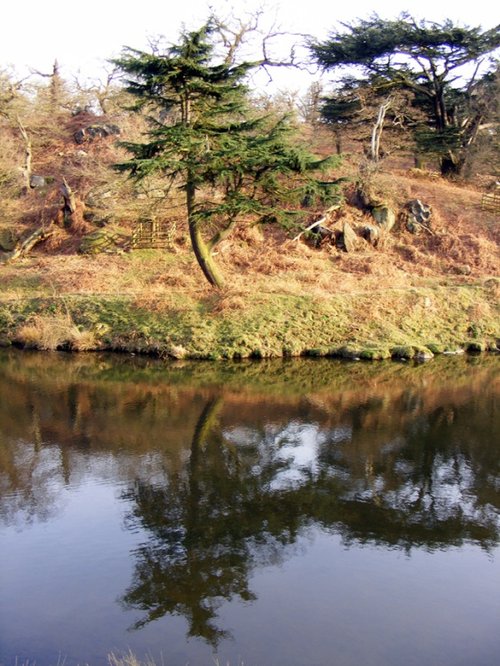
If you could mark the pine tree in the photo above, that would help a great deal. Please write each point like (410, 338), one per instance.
(438, 63)
(204, 133)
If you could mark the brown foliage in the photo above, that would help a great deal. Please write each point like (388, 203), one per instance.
(462, 244)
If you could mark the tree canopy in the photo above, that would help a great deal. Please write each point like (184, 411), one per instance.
(441, 64)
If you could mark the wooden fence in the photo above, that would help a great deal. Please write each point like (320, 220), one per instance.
(491, 201)
(150, 234)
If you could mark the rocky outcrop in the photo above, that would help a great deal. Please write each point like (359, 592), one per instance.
(417, 216)
(92, 132)
(414, 217)
(37, 182)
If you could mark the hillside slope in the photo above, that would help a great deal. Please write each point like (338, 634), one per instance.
(437, 288)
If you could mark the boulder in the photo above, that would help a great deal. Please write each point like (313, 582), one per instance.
(36, 182)
(371, 234)
(8, 240)
(418, 216)
(350, 240)
(384, 216)
(321, 235)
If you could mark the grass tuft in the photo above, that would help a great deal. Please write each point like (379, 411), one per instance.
(54, 331)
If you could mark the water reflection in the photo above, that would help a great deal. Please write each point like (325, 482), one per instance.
(224, 472)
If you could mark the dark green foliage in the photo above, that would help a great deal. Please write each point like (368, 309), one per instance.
(205, 137)
(426, 58)
(392, 46)
(341, 109)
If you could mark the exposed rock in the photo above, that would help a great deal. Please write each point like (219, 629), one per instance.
(37, 182)
(423, 355)
(417, 216)
(384, 216)
(92, 132)
(371, 234)
(350, 240)
(99, 206)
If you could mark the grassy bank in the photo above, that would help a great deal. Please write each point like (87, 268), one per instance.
(377, 324)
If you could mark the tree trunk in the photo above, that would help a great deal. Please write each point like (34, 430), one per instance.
(26, 169)
(338, 141)
(377, 130)
(69, 205)
(200, 248)
(451, 165)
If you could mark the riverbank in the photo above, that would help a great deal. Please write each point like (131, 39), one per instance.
(402, 323)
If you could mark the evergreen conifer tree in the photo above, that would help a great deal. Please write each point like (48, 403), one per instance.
(203, 133)
(438, 63)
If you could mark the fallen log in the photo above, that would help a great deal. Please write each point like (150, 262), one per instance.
(318, 223)
(25, 246)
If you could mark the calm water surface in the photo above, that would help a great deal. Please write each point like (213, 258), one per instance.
(285, 513)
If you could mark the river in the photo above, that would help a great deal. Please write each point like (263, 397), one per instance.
(290, 512)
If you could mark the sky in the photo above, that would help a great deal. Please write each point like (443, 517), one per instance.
(82, 37)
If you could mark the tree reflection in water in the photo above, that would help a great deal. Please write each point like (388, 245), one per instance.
(207, 526)
(234, 508)
(227, 466)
